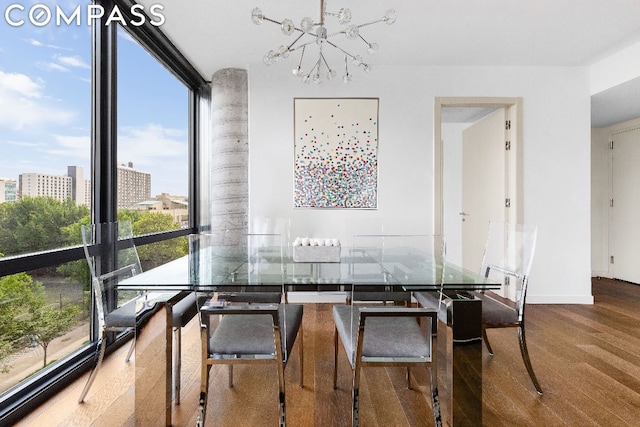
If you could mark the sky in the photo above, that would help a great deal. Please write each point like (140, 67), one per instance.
(45, 102)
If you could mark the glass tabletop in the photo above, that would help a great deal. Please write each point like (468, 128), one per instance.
(210, 266)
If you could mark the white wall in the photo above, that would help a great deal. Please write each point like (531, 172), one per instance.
(556, 126)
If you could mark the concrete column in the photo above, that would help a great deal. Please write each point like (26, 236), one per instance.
(229, 192)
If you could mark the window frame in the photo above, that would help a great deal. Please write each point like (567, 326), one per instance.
(26, 396)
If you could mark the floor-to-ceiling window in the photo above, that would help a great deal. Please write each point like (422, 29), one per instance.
(56, 113)
(45, 123)
(153, 149)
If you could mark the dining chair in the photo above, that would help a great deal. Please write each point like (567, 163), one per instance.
(248, 324)
(391, 335)
(112, 314)
(373, 247)
(507, 259)
(131, 308)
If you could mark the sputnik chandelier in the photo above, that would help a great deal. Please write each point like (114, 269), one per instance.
(319, 35)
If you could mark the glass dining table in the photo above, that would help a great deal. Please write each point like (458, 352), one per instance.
(213, 267)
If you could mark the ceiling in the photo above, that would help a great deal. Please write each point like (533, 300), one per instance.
(215, 34)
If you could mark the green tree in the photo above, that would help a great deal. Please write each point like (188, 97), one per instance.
(37, 223)
(145, 222)
(23, 316)
(49, 323)
(20, 296)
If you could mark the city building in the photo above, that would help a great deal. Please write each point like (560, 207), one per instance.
(34, 184)
(8, 191)
(176, 206)
(133, 186)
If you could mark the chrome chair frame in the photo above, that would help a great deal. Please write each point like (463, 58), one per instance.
(505, 316)
(361, 360)
(278, 357)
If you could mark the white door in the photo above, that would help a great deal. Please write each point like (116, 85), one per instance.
(484, 183)
(625, 218)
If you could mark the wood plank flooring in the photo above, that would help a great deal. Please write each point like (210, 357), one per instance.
(587, 358)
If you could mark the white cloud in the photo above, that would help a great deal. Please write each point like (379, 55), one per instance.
(72, 146)
(38, 43)
(52, 66)
(25, 143)
(72, 61)
(143, 144)
(23, 104)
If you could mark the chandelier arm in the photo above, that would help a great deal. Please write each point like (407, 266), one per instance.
(303, 45)
(295, 41)
(363, 39)
(340, 49)
(370, 23)
(295, 28)
(325, 61)
(301, 56)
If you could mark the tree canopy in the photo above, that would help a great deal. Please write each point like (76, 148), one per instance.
(34, 224)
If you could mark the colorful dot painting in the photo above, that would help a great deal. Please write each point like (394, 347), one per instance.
(336, 170)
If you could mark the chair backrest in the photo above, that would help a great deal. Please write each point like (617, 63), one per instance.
(408, 258)
(246, 259)
(268, 225)
(508, 257)
(105, 277)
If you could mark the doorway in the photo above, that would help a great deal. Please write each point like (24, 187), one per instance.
(624, 227)
(489, 185)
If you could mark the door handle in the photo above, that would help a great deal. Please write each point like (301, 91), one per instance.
(463, 214)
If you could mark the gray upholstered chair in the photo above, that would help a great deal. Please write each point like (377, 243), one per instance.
(383, 335)
(250, 324)
(507, 258)
(386, 336)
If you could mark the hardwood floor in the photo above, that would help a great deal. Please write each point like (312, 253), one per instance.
(587, 358)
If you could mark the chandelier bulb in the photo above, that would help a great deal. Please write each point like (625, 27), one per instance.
(352, 32)
(389, 17)
(372, 48)
(344, 16)
(287, 27)
(257, 16)
(306, 24)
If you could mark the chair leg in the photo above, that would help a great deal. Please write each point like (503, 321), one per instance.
(281, 396)
(435, 398)
(177, 366)
(527, 361)
(335, 359)
(230, 376)
(355, 414)
(131, 348)
(94, 371)
(301, 351)
(486, 341)
(204, 387)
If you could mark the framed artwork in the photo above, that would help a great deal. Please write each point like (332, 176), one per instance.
(336, 153)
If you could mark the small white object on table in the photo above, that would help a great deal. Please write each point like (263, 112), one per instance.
(307, 249)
